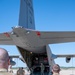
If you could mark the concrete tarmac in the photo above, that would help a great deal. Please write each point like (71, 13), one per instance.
(62, 72)
(67, 72)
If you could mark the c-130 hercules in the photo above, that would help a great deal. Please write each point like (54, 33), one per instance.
(34, 45)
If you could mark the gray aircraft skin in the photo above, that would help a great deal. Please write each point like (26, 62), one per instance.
(29, 41)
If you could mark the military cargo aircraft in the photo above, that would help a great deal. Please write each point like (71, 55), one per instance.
(33, 45)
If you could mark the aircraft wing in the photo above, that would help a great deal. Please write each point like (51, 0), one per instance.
(14, 56)
(57, 37)
(5, 39)
(66, 55)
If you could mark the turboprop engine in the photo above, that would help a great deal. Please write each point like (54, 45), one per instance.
(68, 59)
(12, 62)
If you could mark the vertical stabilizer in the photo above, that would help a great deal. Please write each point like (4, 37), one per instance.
(26, 16)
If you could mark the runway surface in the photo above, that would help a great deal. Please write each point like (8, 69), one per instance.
(62, 72)
(67, 72)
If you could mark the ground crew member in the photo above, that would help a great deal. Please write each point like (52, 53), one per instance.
(10, 69)
(42, 69)
(55, 69)
(20, 71)
(4, 62)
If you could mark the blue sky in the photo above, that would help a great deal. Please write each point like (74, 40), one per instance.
(50, 15)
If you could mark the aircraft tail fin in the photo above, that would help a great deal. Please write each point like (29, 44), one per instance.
(26, 16)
